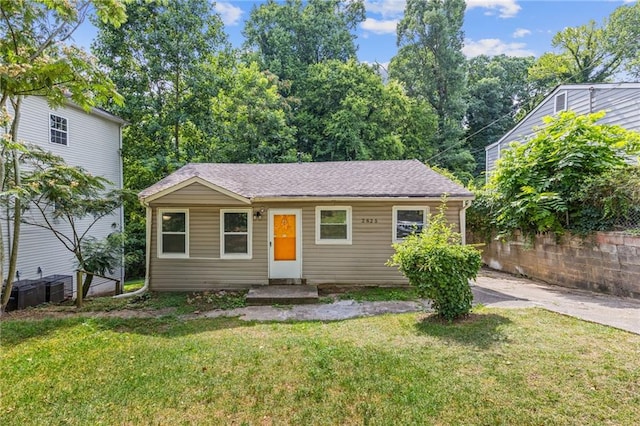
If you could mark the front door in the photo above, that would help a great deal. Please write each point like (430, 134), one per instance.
(285, 245)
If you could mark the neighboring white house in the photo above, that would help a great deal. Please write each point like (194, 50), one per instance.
(90, 140)
(620, 101)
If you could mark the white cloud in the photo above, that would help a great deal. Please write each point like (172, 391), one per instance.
(506, 8)
(493, 47)
(521, 32)
(229, 13)
(386, 8)
(379, 27)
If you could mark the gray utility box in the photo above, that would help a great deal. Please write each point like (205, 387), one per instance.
(66, 280)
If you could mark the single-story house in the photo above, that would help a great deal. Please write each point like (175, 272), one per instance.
(618, 100)
(233, 226)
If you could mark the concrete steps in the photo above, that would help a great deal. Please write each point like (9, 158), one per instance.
(283, 295)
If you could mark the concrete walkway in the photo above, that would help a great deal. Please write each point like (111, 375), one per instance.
(491, 289)
(506, 291)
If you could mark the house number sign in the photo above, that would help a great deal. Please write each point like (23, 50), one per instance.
(369, 220)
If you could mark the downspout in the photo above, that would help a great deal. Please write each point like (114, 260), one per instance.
(463, 220)
(121, 177)
(147, 273)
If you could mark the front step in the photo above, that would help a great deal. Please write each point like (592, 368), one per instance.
(283, 295)
(287, 281)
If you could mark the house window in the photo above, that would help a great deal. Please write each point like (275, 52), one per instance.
(333, 225)
(408, 220)
(560, 102)
(58, 130)
(235, 234)
(173, 233)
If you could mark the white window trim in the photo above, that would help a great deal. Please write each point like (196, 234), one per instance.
(555, 102)
(347, 241)
(162, 254)
(49, 128)
(394, 221)
(249, 254)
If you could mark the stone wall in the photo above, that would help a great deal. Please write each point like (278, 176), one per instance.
(605, 262)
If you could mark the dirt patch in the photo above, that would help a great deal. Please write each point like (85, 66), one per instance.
(41, 313)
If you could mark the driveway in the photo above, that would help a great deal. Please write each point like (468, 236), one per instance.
(506, 291)
(491, 289)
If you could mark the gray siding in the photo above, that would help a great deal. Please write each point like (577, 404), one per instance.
(621, 105)
(361, 263)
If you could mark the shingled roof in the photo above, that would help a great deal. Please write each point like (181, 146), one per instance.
(396, 178)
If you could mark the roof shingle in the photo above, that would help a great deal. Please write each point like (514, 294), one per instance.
(394, 178)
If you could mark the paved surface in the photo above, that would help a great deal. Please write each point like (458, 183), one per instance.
(491, 289)
(503, 290)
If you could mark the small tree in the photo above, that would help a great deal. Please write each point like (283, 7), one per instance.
(439, 267)
(536, 186)
(69, 202)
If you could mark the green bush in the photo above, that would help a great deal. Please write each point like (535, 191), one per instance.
(572, 175)
(439, 267)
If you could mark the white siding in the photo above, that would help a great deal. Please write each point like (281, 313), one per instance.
(94, 144)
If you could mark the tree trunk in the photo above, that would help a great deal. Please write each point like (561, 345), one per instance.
(87, 284)
(17, 205)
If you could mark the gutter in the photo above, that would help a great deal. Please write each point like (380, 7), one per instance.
(147, 274)
(463, 220)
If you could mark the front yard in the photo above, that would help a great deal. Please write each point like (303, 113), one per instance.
(526, 366)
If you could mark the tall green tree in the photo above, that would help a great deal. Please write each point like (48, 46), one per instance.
(431, 65)
(592, 53)
(288, 37)
(498, 91)
(159, 61)
(37, 61)
(156, 60)
(249, 118)
(346, 112)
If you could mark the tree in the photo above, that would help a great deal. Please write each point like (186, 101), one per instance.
(249, 118)
(590, 53)
(159, 60)
(36, 61)
(289, 37)
(536, 185)
(346, 112)
(156, 58)
(431, 65)
(70, 202)
(498, 91)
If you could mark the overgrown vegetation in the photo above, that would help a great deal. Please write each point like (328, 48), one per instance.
(497, 367)
(439, 267)
(573, 175)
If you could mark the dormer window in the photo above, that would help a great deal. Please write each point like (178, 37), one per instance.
(560, 102)
(58, 130)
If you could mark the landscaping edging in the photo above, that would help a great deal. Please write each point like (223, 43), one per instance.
(607, 262)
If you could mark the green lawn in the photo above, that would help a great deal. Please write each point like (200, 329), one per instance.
(524, 366)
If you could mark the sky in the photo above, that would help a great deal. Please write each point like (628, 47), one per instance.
(491, 27)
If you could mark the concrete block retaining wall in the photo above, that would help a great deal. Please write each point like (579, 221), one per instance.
(606, 262)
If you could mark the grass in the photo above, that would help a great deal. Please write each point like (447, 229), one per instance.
(522, 367)
(379, 294)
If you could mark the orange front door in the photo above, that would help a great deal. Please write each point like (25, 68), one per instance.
(285, 256)
(284, 237)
